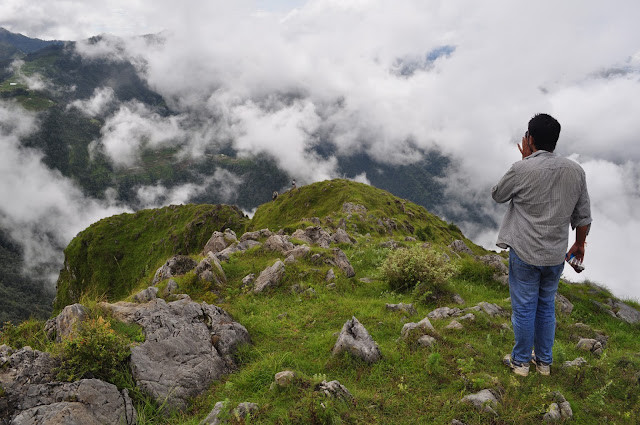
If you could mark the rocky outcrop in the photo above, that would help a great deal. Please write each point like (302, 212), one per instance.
(342, 262)
(341, 236)
(219, 241)
(240, 412)
(485, 400)
(419, 328)
(254, 236)
(355, 339)
(210, 270)
(402, 307)
(493, 260)
(278, 243)
(626, 313)
(563, 305)
(460, 246)
(299, 251)
(269, 277)
(590, 344)
(32, 396)
(314, 235)
(352, 208)
(187, 346)
(175, 266)
(147, 295)
(560, 410)
(67, 322)
(334, 389)
(444, 312)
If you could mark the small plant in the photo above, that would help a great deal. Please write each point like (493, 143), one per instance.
(30, 332)
(425, 233)
(96, 351)
(406, 269)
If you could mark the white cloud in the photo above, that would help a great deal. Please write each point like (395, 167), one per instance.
(97, 104)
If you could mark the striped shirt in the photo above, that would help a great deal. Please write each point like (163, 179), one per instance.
(546, 193)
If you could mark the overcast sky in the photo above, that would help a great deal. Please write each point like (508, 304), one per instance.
(392, 79)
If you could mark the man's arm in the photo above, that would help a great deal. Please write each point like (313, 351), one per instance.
(504, 190)
(577, 248)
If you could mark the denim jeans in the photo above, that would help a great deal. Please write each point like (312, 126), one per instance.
(533, 291)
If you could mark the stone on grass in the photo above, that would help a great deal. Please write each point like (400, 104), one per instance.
(313, 235)
(210, 270)
(626, 313)
(458, 299)
(341, 236)
(248, 244)
(244, 409)
(470, 316)
(225, 254)
(212, 417)
(485, 400)
(300, 251)
(248, 280)
(285, 378)
(426, 341)
(444, 312)
(67, 322)
(330, 276)
(491, 309)
(342, 262)
(417, 328)
(278, 243)
(457, 422)
(574, 363)
(496, 262)
(563, 305)
(460, 246)
(146, 295)
(264, 233)
(334, 389)
(402, 307)
(290, 260)
(455, 325)
(171, 288)
(175, 266)
(355, 339)
(590, 344)
(553, 413)
(269, 277)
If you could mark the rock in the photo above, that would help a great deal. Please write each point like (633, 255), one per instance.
(574, 363)
(289, 260)
(491, 309)
(187, 347)
(589, 344)
(254, 236)
(175, 266)
(342, 262)
(332, 285)
(146, 295)
(470, 316)
(219, 241)
(269, 277)
(334, 389)
(244, 409)
(299, 251)
(67, 322)
(458, 299)
(405, 308)
(565, 408)
(248, 280)
(171, 288)
(210, 270)
(313, 235)
(230, 236)
(485, 400)
(341, 236)
(248, 244)
(503, 279)
(553, 414)
(330, 276)
(455, 325)
(421, 328)
(225, 254)
(355, 339)
(285, 378)
(351, 208)
(426, 341)
(460, 246)
(278, 243)
(494, 261)
(390, 244)
(626, 312)
(563, 305)
(409, 239)
(212, 417)
(444, 312)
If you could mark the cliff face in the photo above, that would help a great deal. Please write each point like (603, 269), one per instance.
(245, 318)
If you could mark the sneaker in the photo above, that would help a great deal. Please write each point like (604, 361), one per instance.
(541, 367)
(521, 369)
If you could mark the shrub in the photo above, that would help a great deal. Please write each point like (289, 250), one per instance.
(96, 351)
(425, 233)
(406, 269)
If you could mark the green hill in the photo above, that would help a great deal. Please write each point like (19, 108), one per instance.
(294, 326)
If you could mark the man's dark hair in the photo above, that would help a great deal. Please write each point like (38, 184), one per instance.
(545, 131)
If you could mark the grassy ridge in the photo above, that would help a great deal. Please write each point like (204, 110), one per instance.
(111, 256)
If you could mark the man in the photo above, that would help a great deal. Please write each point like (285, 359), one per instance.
(546, 193)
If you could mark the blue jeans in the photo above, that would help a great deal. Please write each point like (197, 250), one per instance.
(533, 292)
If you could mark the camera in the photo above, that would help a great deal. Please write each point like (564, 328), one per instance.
(575, 263)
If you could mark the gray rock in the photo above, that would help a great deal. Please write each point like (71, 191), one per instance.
(491, 309)
(212, 417)
(245, 409)
(590, 344)
(254, 236)
(455, 325)
(146, 295)
(426, 341)
(330, 276)
(285, 378)
(171, 288)
(269, 277)
(355, 340)
(626, 312)
(210, 270)
(67, 322)
(458, 299)
(444, 312)
(485, 400)
(342, 262)
(299, 251)
(217, 242)
(334, 389)
(409, 239)
(419, 328)
(503, 279)
(574, 363)
(553, 413)
(351, 208)
(248, 280)
(494, 261)
(313, 235)
(248, 244)
(278, 243)
(470, 317)
(225, 254)
(290, 260)
(563, 305)
(341, 236)
(460, 246)
(187, 346)
(175, 266)
(230, 236)
(402, 307)
(390, 244)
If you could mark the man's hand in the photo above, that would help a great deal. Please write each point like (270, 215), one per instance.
(525, 147)
(578, 250)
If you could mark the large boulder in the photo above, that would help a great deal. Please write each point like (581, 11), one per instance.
(67, 322)
(492, 260)
(210, 270)
(187, 346)
(269, 277)
(32, 396)
(254, 236)
(626, 312)
(219, 241)
(342, 262)
(485, 400)
(355, 339)
(278, 243)
(460, 246)
(341, 236)
(175, 266)
(313, 235)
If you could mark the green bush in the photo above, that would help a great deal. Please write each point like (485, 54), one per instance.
(409, 268)
(96, 351)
